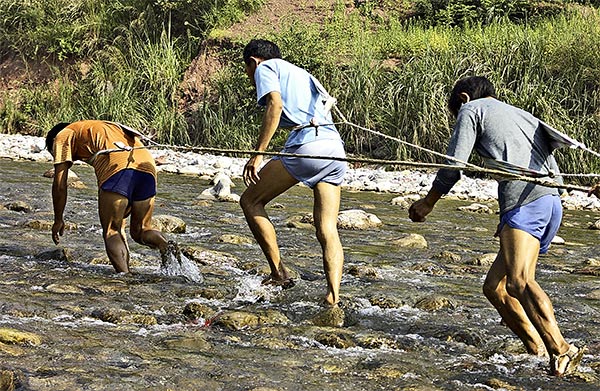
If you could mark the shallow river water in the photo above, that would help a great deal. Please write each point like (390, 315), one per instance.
(388, 341)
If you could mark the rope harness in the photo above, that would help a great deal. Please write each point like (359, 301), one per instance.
(506, 170)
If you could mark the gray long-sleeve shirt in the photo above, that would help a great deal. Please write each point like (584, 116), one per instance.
(500, 131)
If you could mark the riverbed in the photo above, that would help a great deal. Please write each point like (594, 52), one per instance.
(416, 318)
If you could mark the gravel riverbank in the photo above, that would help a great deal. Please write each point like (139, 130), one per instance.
(22, 147)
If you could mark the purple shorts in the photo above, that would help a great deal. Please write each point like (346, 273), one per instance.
(540, 218)
(133, 184)
(312, 171)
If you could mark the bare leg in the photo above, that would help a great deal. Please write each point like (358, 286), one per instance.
(274, 180)
(520, 253)
(141, 225)
(326, 208)
(509, 308)
(111, 209)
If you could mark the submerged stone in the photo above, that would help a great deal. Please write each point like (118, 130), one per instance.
(194, 310)
(329, 317)
(12, 336)
(410, 241)
(46, 225)
(59, 254)
(169, 224)
(18, 206)
(335, 340)
(434, 303)
(238, 320)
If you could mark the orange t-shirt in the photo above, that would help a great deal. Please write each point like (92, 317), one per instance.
(80, 140)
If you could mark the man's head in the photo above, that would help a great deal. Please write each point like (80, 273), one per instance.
(468, 89)
(52, 134)
(256, 51)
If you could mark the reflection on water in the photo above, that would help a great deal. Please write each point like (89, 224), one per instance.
(104, 331)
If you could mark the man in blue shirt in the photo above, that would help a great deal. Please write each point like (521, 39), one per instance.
(292, 97)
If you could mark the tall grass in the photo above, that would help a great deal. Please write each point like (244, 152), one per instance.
(395, 78)
(390, 75)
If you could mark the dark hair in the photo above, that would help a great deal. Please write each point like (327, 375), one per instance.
(474, 86)
(261, 48)
(52, 134)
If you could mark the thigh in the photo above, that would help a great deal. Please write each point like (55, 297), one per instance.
(141, 214)
(112, 208)
(274, 180)
(519, 250)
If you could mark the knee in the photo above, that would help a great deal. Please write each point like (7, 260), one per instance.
(326, 233)
(516, 286)
(490, 290)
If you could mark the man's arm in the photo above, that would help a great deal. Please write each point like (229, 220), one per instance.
(419, 210)
(270, 123)
(59, 198)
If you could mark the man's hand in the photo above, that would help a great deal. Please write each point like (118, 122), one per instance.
(58, 228)
(251, 170)
(419, 210)
(595, 190)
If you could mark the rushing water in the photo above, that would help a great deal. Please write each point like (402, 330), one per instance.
(387, 343)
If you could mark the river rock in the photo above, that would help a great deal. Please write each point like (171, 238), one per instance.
(46, 225)
(595, 225)
(386, 302)
(18, 206)
(299, 222)
(329, 317)
(264, 269)
(221, 191)
(434, 303)
(192, 343)
(373, 341)
(362, 271)
(335, 340)
(430, 268)
(410, 241)
(58, 254)
(357, 219)
(204, 256)
(10, 350)
(12, 336)
(484, 259)
(119, 316)
(476, 208)
(557, 240)
(235, 239)
(194, 310)
(238, 320)
(448, 256)
(64, 289)
(405, 201)
(167, 223)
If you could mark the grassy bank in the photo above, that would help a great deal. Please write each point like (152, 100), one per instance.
(389, 74)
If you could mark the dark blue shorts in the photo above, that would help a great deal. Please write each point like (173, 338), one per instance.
(540, 218)
(133, 184)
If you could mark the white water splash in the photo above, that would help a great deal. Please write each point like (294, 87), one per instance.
(180, 265)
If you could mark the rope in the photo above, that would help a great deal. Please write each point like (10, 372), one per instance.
(404, 163)
(460, 165)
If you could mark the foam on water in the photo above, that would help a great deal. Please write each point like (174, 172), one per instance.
(180, 265)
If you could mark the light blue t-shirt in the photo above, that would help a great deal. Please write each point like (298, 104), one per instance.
(303, 99)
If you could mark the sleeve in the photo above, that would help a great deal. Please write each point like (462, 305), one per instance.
(460, 147)
(63, 146)
(267, 80)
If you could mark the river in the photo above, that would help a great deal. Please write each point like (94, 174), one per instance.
(103, 331)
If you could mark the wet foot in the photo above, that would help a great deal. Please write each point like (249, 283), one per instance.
(567, 362)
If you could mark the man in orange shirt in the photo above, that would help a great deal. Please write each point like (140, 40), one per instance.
(126, 184)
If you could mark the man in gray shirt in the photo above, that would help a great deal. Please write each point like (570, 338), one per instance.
(530, 214)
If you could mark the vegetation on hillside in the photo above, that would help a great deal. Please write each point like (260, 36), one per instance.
(389, 63)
